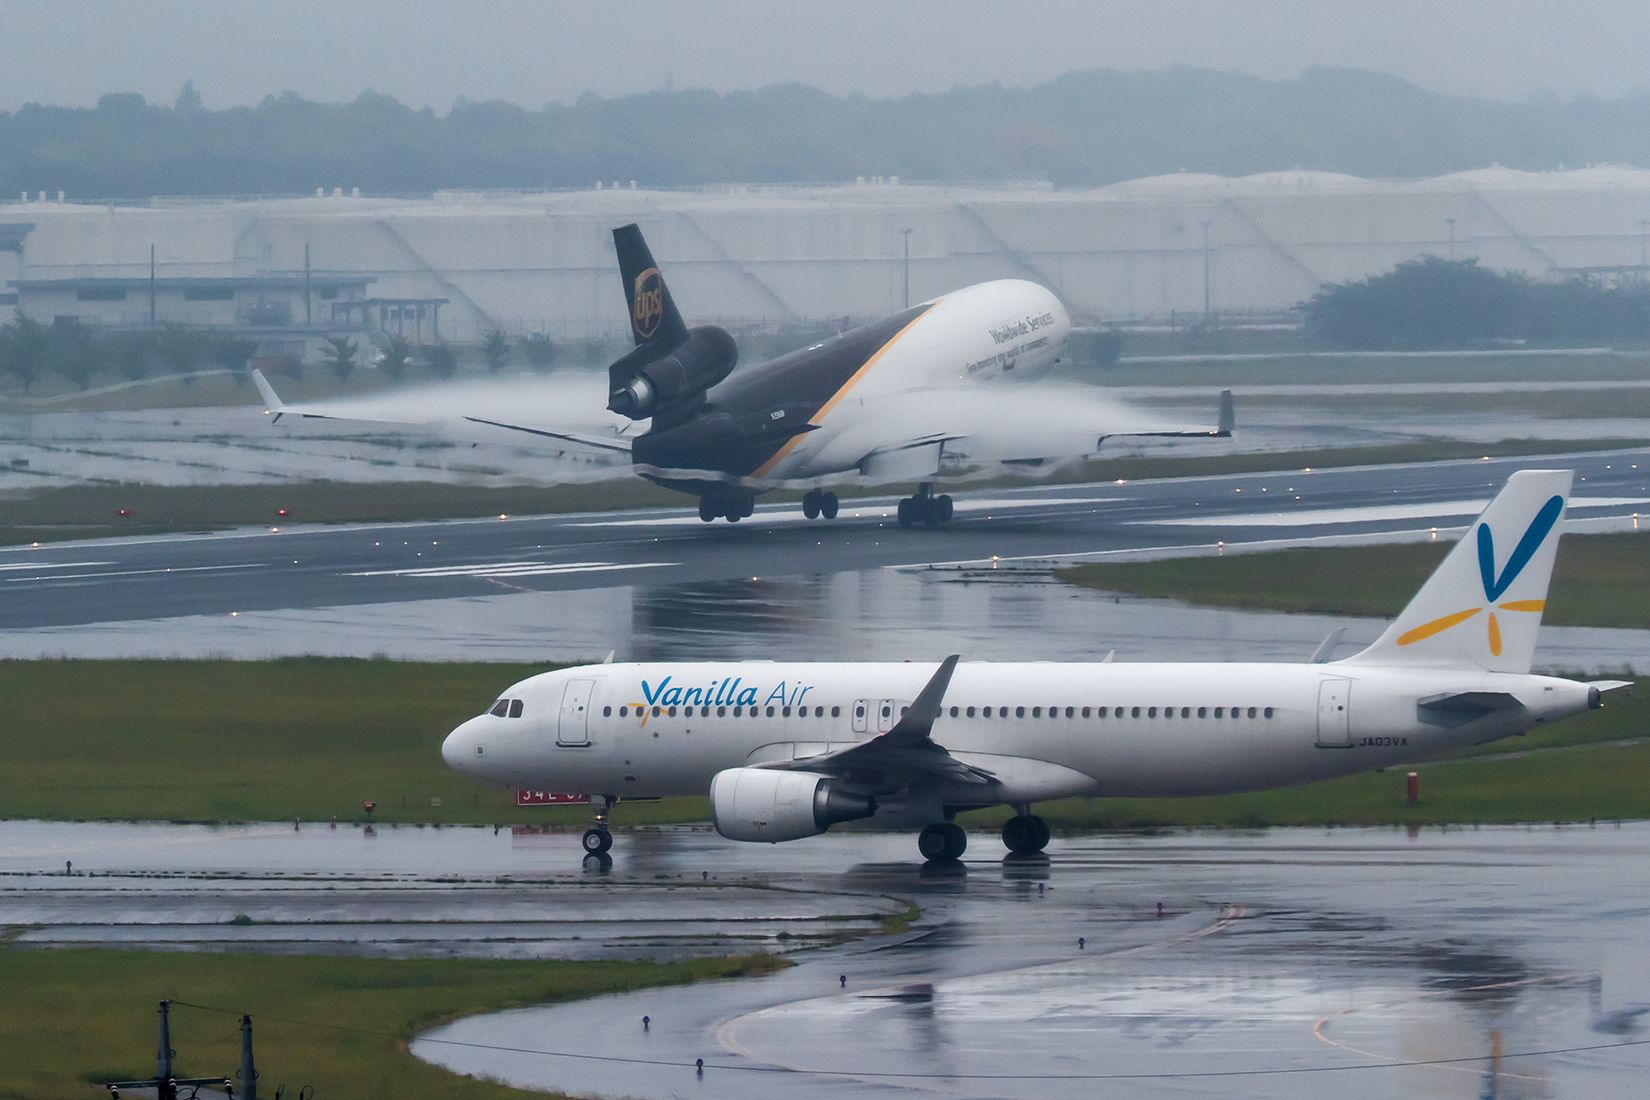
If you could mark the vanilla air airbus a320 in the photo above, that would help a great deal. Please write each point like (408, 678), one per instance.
(786, 750)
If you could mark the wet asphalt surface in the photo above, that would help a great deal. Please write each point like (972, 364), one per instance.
(1287, 963)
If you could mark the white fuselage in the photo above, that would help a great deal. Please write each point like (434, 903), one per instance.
(1043, 730)
(1006, 328)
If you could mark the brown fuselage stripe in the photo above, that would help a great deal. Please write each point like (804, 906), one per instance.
(842, 391)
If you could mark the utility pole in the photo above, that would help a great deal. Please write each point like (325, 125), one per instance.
(1208, 297)
(905, 296)
(249, 1072)
(163, 1055)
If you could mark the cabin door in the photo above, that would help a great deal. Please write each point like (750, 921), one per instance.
(1335, 714)
(573, 724)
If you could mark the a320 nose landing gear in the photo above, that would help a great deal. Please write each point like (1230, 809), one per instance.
(924, 507)
(597, 840)
(819, 502)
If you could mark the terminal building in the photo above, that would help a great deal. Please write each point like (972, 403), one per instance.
(458, 265)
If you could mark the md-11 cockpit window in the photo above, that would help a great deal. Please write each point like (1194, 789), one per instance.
(515, 708)
(500, 709)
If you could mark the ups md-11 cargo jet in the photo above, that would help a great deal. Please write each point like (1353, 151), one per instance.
(932, 388)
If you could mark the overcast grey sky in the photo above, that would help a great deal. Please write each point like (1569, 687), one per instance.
(430, 52)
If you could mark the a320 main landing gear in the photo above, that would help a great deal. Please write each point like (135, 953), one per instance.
(924, 507)
(1025, 833)
(819, 502)
(733, 509)
(942, 842)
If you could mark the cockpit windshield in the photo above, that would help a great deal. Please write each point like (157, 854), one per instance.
(506, 708)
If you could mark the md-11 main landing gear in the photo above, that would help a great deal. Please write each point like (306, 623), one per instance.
(924, 507)
(733, 509)
(819, 502)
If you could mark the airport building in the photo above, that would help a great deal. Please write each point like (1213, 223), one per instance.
(460, 264)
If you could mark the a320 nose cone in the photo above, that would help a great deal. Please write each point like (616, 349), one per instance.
(456, 749)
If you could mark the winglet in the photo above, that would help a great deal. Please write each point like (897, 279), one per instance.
(1228, 416)
(918, 721)
(272, 401)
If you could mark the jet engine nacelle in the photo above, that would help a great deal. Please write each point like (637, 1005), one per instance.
(645, 382)
(763, 804)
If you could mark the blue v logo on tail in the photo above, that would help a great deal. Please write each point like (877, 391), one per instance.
(1496, 585)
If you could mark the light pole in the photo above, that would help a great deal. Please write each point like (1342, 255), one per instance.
(1207, 298)
(905, 294)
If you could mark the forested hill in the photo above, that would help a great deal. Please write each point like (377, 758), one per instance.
(1086, 128)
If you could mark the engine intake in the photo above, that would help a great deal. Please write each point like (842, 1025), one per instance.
(646, 382)
(768, 805)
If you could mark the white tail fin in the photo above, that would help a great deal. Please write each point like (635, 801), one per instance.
(1482, 605)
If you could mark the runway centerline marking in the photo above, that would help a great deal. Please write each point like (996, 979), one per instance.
(1312, 517)
(50, 577)
(22, 565)
(512, 569)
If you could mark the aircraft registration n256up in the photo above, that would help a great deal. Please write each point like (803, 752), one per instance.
(935, 388)
(786, 750)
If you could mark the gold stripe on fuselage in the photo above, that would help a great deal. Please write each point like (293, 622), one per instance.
(791, 443)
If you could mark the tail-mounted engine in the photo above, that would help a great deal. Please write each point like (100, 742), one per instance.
(654, 379)
(768, 805)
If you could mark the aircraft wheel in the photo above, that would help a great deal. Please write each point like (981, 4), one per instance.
(907, 508)
(735, 514)
(944, 502)
(942, 842)
(707, 510)
(811, 504)
(828, 505)
(597, 841)
(931, 512)
(747, 506)
(1024, 834)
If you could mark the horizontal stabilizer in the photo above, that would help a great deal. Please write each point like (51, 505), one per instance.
(594, 442)
(1474, 703)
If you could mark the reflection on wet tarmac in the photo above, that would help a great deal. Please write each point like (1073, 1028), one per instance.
(879, 614)
(1286, 963)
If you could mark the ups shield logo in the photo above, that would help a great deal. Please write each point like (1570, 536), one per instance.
(647, 303)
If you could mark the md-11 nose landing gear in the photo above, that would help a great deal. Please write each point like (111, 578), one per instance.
(924, 507)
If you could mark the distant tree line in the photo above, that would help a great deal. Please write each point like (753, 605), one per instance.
(81, 354)
(1085, 128)
(1437, 303)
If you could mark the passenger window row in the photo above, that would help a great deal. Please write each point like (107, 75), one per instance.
(956, 711)
(506, 708)
(1114, 712)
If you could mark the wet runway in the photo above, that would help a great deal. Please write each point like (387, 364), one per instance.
(293, 590)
